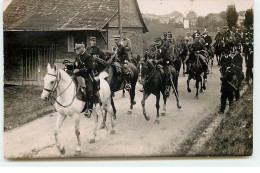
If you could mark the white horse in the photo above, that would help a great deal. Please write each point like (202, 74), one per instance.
(67, 104)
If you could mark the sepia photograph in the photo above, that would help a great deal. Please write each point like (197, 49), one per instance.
(121, 79)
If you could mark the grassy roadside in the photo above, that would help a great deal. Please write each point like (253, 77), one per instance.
(234, 136)
(23, 104)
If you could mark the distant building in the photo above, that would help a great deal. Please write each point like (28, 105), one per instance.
(241, 18)
(190, 19)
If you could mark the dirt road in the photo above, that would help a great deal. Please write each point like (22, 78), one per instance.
(134, 135)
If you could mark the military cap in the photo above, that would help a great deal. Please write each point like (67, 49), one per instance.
(93, 38)
(197, 35)
(117, 37)
(169, 33)
(158, 39)
(79, 45)
(165, 34)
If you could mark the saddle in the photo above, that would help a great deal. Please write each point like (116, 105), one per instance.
(126, 69)
(81, 89)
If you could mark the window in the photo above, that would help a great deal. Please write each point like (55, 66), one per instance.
(70, 43)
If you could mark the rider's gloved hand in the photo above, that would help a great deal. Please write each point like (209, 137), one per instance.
(126, 62)
(76, 71)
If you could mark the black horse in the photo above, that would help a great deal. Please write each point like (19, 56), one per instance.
(195, 72)
(154, 77)
(219, 49)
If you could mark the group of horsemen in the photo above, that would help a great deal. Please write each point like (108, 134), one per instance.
(198, 49)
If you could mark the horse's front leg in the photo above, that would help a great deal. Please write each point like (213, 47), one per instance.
(77, 133)
(59, 121)
(109, 110)
(188, 84)
(145, 96)
(95, 121)
(197, 88)
(200, 81)
(157, 105)
(132, 97)
(164, 105)
(113, 106)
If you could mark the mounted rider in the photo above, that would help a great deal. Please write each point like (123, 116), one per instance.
(196, 52)
(119, 61)
(188, 38)
(126, 42)
(84, 67)
(97, 54)
(208, 42)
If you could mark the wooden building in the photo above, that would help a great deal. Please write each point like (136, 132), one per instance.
(40, 31)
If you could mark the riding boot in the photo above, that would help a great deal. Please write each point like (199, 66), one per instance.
(90, 107)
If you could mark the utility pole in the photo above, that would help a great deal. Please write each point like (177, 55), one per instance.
(119, 18)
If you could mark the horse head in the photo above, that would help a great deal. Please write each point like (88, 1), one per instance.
(51, 82)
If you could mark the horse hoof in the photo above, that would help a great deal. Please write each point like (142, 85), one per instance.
(123, 96)
(196, 97)
(129, 112)
(77, 153)
(204, 87)
(189, 90)
(114, 117)
(201, 91)
(178, 105)
(163, 114)
(62, 151)
(103, 125)
(91, 141)
(112, 132)
(133, 102)
(147, 118)
(156, 122)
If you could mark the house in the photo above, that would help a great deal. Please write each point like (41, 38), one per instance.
(37, 32)
(190, 19)
(241, 18)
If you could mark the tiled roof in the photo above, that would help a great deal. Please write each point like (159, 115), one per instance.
(55, 15)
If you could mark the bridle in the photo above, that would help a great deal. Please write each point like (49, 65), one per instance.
(55, 86)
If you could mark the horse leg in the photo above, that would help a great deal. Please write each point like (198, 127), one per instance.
(123, 93)
(157, 105)
(114, 108)
(183, 68)
(164, 105)
(59, 121)
(188, 84)
(201, 84)
(204, 81)
(77, 132)
(132, 97)
(145, 96)
(103, 124)
(110, 112)
(95, 119)
(197, 88)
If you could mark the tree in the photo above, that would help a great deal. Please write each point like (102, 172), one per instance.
(249, 18)
(232, 16)
(200, 22)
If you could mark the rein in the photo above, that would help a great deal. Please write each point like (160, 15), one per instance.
(57, 81)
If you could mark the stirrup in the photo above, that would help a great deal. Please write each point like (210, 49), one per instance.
(88, 113)
(128, 86)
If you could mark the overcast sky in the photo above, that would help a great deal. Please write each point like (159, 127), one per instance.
(201, 7)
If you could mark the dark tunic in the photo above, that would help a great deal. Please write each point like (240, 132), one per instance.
(85, 64)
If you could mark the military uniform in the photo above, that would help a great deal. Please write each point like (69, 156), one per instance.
(246, 46)
(249, 66)
(225, 62)
(85, 65)
(226, 89)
